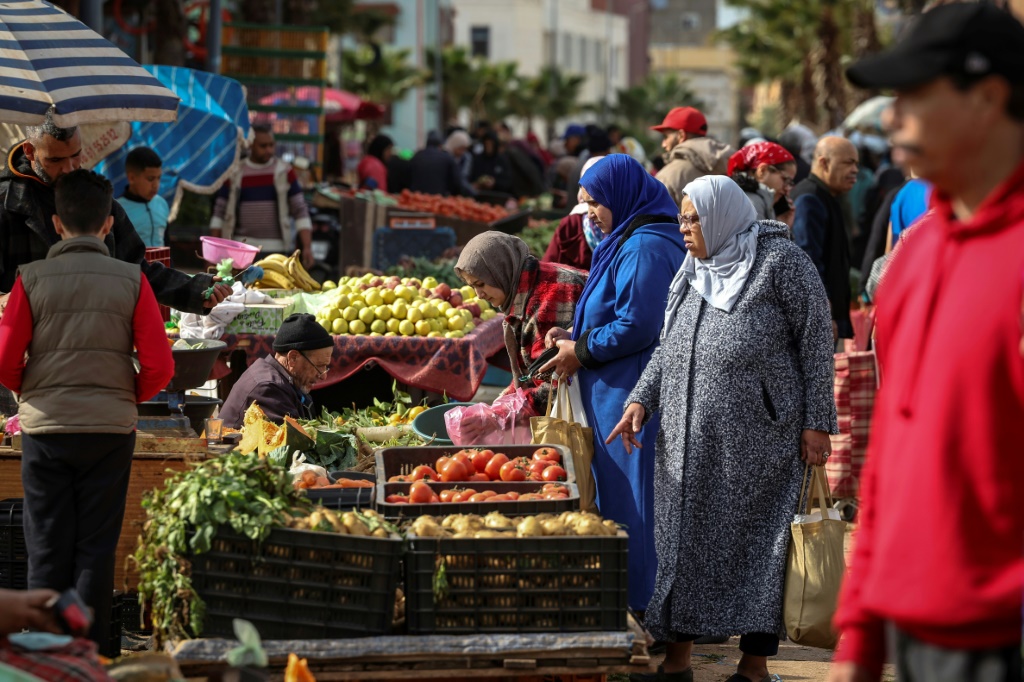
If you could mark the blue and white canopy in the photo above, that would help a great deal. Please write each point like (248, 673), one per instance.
(199, 150)
(49, 58)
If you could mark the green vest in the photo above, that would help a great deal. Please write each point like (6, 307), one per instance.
(80, 377)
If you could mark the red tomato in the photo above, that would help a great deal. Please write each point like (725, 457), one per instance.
(480, 460)
(493, 469)
(549, 454)
(424, 472)
(535, 478)
(449, 495)
(552, 495)
(420, 493)
(554, 473)
(538, 466)
(510, 471)
(434, 499)
(454, 471)
(398, 479)
(489, 493)
(464, 495)
(397, 499)
(500, 498)
(512, 495)
(554, 486)
(441, 461)
(479, 477)
(467, 461)
(530, 497)
(479, 497)
(523, 462)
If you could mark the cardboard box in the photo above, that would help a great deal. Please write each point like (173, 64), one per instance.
(261, 318)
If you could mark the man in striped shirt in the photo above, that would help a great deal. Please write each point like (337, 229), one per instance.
(259, 202)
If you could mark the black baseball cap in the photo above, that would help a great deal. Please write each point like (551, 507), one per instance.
(969, 40)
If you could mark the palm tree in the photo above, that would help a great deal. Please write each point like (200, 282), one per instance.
(385, 80)
(555, 96)
(650, 100)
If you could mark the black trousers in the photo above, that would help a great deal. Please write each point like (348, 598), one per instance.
(917, 661)
(753, 644)
(75, 491)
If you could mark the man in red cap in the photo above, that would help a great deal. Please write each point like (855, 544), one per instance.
(689, 152)
(937, 571)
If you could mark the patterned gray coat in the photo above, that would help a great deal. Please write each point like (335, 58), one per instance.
(735, 390)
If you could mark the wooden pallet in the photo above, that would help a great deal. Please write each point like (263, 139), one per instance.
(436, 657)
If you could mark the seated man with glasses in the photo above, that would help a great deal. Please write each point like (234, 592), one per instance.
(280, 383)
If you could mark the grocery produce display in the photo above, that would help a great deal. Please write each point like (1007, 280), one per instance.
(455, 207)
(308, 480)
(482, 464)
(285, 272)
(393, 306)
(364, 523)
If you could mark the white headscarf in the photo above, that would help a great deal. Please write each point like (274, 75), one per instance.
(581, 207)
(728, 223)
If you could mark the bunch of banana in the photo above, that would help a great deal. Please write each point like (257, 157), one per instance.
(285, 272)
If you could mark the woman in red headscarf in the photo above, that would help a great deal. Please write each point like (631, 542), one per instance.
(765, 172)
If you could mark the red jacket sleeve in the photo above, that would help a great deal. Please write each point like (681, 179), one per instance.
(863, 633)
(15, 337)
(155, 359)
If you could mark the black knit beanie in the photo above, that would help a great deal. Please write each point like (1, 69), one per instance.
(301, 331)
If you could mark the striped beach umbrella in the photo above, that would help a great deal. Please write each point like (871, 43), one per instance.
(50, 59)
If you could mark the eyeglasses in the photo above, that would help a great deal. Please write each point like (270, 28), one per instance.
(319, 372)
(786, 180)
(689, 220)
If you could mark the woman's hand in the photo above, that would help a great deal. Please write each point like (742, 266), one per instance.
(631, 423)
(27, 609)
(815, 446)
(565, 364)
(554, 335)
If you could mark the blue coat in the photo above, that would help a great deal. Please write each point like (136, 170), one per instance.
(621, 322)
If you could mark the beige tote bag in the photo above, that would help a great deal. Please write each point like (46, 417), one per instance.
(565, 424)
(815, 566)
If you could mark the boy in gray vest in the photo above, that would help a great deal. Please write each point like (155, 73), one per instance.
(66, 340)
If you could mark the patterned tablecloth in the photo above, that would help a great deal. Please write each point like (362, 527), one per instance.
(455, 367)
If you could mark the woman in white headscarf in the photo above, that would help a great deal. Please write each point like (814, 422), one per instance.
(743, 384)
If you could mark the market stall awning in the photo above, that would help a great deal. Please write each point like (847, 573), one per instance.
(50, 59)
(340, 106)
(202, 147)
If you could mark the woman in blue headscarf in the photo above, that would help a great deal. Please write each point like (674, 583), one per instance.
(615, 331)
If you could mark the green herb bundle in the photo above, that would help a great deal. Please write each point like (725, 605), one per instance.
(249, 494)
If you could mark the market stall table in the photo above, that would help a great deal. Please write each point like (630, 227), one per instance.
(442, 656)
(455, 367)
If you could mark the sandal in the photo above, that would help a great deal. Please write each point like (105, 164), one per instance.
(771, 677)
(662, 676)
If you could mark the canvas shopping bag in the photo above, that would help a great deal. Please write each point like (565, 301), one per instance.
(815, 565)
(562, 426)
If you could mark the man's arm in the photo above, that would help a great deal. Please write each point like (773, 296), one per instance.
(810, 222)
(220, 207)
(15, 337)
(171, 287)
(299, 212)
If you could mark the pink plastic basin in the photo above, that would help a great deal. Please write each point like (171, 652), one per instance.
(216, 249)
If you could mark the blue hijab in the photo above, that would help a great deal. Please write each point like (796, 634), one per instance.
(619, 183)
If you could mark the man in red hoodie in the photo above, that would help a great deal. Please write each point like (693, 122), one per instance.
(937, 573)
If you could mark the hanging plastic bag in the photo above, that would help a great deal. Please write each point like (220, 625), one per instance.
(503, 422)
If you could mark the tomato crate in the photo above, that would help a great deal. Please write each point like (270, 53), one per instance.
(401, 461)
(517, 585)
(344, 499)
(299, 584)
(13, 554)
(399, 510)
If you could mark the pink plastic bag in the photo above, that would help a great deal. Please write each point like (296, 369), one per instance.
(504, 422)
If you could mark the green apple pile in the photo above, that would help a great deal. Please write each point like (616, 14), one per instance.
(391, 306)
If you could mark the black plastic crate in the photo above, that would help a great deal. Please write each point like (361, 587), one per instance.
(13, 554)
(131, 612)
(299, 584)
(515, 585)
(344, 499)
(516, 508)
(116, 621)
(400, 461)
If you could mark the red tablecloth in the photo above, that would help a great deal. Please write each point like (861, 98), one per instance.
(455, 367)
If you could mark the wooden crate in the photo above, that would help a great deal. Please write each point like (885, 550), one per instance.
(148, 471)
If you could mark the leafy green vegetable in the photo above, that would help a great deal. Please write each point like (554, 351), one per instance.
(250, 652)
(249, 494)
(538, 238)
